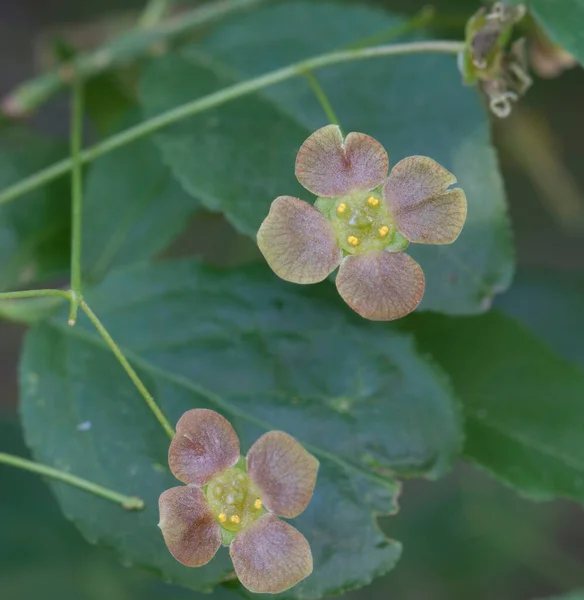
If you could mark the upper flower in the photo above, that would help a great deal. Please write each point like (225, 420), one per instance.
(362, 220)
(234, 500)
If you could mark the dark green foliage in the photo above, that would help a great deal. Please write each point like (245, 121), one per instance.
(267, 357)
(377, 403)
(522, 403)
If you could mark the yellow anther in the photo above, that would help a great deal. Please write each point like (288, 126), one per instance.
(235, 519)
(341, 208)
(383, 231)
(257, 504)
(373, 201)
(222, 517)
(353, 240)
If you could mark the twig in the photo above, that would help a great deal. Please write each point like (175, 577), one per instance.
(128, 368)
(128, 502)
(30, 95)
(222, 97)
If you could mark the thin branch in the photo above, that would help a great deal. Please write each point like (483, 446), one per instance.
(128, 368)
(76, 196)
(18, 311)
(123, 49)
(222, 97)
(34, 294)
(322, 98)
(128, 502)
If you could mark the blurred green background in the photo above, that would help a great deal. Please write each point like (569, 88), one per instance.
(464, 536)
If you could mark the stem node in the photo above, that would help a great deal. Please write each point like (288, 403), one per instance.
(134, 503)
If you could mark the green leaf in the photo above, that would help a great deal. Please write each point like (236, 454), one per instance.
(522, 403)
(550, 304)
(34, 231)
(563, 22)
(133, 207)
(239, 157)
(268, 356)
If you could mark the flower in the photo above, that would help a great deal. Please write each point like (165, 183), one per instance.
(501, 73)
(234, 500)
(361, 222)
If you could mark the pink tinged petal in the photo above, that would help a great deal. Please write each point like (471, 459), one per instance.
(205, 445)
(270, 556)
(329, 167)
(284, 472)
(188, 526)
(298, 241)
(425, 210)
(381, 286)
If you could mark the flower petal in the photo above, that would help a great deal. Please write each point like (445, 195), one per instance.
(270, 556)
(188, 526)
(329, 167)
(284, 472)
(205, 445)
(381, 286)
(298, 241)
(425, 210)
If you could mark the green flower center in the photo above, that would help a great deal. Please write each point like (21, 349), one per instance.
(234, 499)
(361, 223)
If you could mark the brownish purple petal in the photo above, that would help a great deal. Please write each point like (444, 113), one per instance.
(381, 286)
(329, 167)
(270, 556)
(188, 526)
(284, 472)
(298, 241)
(205, 445)
(425, 210)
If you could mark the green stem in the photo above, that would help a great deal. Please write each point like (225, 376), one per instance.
(128, 502)
(153, 13)
(76, 191)
(34, 294)
(29, 313)
(322, 98)
(121, 50)
(222, 97)
(128, 368)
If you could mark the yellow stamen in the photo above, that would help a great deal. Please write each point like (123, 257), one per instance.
(383, 231)
(353, 240)
(373, 201)
(341, 208)
(235, 519)
(222, 517)
(257, 504)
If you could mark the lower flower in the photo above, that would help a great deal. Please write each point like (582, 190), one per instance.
(235, 501)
